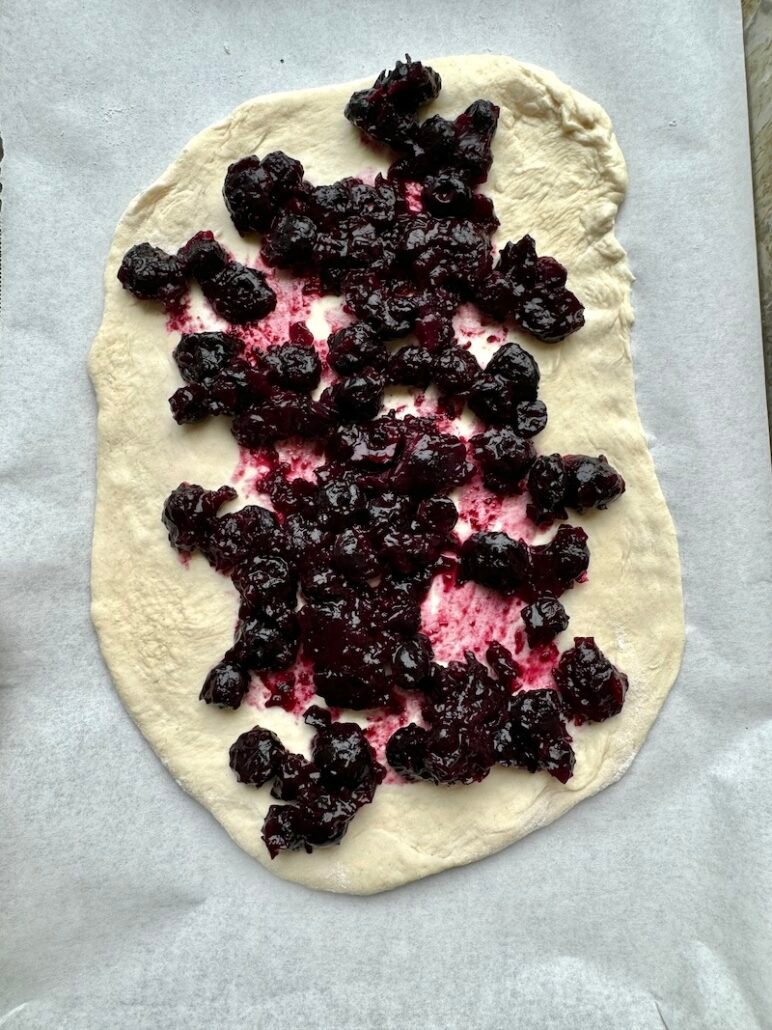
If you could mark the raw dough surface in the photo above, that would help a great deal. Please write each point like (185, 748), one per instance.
(559, 174)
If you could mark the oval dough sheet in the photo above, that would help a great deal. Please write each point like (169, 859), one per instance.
(559, 174)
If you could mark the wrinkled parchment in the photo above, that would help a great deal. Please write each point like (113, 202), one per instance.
(122, 903)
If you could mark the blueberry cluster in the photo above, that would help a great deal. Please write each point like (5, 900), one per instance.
(237, 293)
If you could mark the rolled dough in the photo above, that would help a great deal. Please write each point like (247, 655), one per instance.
(559, 174)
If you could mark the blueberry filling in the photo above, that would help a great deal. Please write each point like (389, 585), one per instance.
(338, 571)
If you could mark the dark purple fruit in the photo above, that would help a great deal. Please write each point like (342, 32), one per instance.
(255, 756)
(591, 482)
(547, 485)
(544, 619)
(152, 274)
(354, 348)
(201, 356)
(255, 190)
(189, 512)
(239, 294)
(495, 560)
(591, 687)
(203, 257)
(504, 458)
(225, 686)
(294, 366)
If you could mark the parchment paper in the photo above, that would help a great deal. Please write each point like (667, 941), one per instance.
(122, 903)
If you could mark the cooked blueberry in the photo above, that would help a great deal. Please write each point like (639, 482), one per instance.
(555, 566)
(408, 551)
(516, 365)
(200, 356)
(431, 149)
(359, 397)
(379, 204)
(530, 417)
(455, 369)
(329, 204)
(354, 348)
(359, 682)
(495, 560)
(191, 403)
(239, 294)
(431, 461)
(235, 537)
(410, 366)
(305, 538)
(491, 398)
(320, 818)
(291, 241)
(348, 244)
(236, 387)
(387, 303)
(406, 751)
(294, 366)
(466, 706)
(340, 502)
(591, 687)
(291, 496)
(551, 313)
(225, 685)
(544, 619)
(434, 328)
(254, 190)
(343, 756)
(534, 735)
(255, 756)
(438, 514)
(503, 665)
(189, 512)
(353, 555)
(483, 213)
(475, 129)
(317, 717)
(265, 580)
(267, 640)
(591, 482)
(547, 485)
(281, 831)
(451, 253)
(504, 457)
(447, 194)
(387, 110)
(532, 291)
(151, 274)
(203, 257)
(295, 777)
(412, 662)
(284, 414)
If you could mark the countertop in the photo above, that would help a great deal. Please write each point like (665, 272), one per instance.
(757, 20)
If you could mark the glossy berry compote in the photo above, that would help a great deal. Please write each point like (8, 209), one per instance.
(255, 191)
(387, 110)
(321, 795)
(365, 507)
(152, 274)
(572, 481)
(532, 291)
(592, 688)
